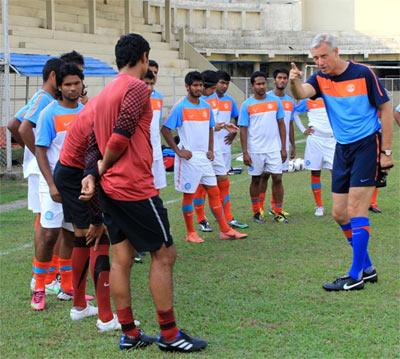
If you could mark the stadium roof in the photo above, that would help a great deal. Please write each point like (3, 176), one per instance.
(32, 65)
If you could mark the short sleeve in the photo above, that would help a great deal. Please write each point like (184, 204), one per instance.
(376, 92)
(244, 119)
(398, 108)
(235, 111)
(301, 106)
(280, 114)
(212, 119)
(314, 83)
(19, 115)
(174, 119)
(45, 132)
(36, 108)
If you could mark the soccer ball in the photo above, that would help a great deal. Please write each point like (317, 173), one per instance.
(291, 166)
(298, 164)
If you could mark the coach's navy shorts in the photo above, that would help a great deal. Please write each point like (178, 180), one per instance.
(356, 164)
(145, 223)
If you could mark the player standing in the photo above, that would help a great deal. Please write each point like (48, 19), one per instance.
(51, 128)
(281, 79)
(133, 211)
(263, 139)
(193, 118)
(320, 146)
(353, 95)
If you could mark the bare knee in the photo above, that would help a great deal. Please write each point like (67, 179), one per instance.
(165, 256)
(339, 215)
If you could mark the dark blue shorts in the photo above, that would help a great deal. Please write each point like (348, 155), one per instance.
(356, 164)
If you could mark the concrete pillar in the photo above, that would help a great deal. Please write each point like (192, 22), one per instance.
(256, 66)
(243, 16)
(225, 20)
(127, 16)
(207, 19)
(50, 19)
(181, 37)
(189, 17)
(167, 22)
(146, 12)
(92, 16)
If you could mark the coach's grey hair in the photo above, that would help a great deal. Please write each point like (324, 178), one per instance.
(328, 39)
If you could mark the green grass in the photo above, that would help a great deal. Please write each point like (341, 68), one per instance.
(12, 190)
(256, 298)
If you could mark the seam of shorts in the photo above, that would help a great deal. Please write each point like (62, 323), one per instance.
(159, 220)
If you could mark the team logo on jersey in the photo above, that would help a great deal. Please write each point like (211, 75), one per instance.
(308, 162)
(205, 114)
(49, 215)
(350, 88)
(226, 106)
(187, 185)
(270, 106)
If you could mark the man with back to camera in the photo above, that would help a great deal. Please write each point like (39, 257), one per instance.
(353, 95)
(133, 212)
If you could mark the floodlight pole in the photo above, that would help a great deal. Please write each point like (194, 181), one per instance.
(6, 84)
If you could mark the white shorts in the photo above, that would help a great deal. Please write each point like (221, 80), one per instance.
(219, 165)
(160, 178)
(33, 193)
(319, 153)
(265, 162)
(228, 161)
(285, 165)
(52, 213)
(188, 174)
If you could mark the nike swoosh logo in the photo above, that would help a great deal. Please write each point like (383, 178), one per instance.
(106, 284)
(346, 287)
(364, 180)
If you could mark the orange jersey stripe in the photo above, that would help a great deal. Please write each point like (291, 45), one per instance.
(348, 88)
(156, 104)
(287, 105)
(314, 104)
(225, 106)
(62, 122)
(196, 114)
(213, 102)
(263, 107)
(35, 105)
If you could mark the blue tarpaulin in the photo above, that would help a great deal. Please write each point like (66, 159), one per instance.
(32, 65)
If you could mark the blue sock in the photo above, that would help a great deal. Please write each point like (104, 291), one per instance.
(346, 228)
(360, 236)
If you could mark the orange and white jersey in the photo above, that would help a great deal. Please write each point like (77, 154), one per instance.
(212, 100)
(155, 138)
(317, 116)
(193, 123)
(227, 110)
(261, 119)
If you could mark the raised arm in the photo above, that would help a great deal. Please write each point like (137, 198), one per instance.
(299, 89)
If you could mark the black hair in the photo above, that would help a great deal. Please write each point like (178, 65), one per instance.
(256, 74)
(129, 50)
(153, 63)
(193, 76)
(149, 75)
(210, 78)
(65, 70)
(223, 75)
(73, 57)
(51, 65)
(280, 71)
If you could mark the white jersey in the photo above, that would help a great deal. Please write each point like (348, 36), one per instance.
(212, 100)
(227, 110)
(193, 123)
(155, 138)
(317, 116)
(261, 119)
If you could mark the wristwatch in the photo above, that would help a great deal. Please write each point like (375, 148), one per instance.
(387, 152)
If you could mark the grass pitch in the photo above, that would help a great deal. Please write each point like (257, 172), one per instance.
(256, 298)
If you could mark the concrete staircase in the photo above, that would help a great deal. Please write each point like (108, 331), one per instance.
(27, 34)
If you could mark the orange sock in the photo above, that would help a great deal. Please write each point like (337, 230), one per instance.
(198, 201)
(187, 209)
(215, 205)
(277, 207)
(53, 269)
(255, 204)
(374, 201)
(316, 189)
(40, 270)
(66, 274)
(225, 199)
